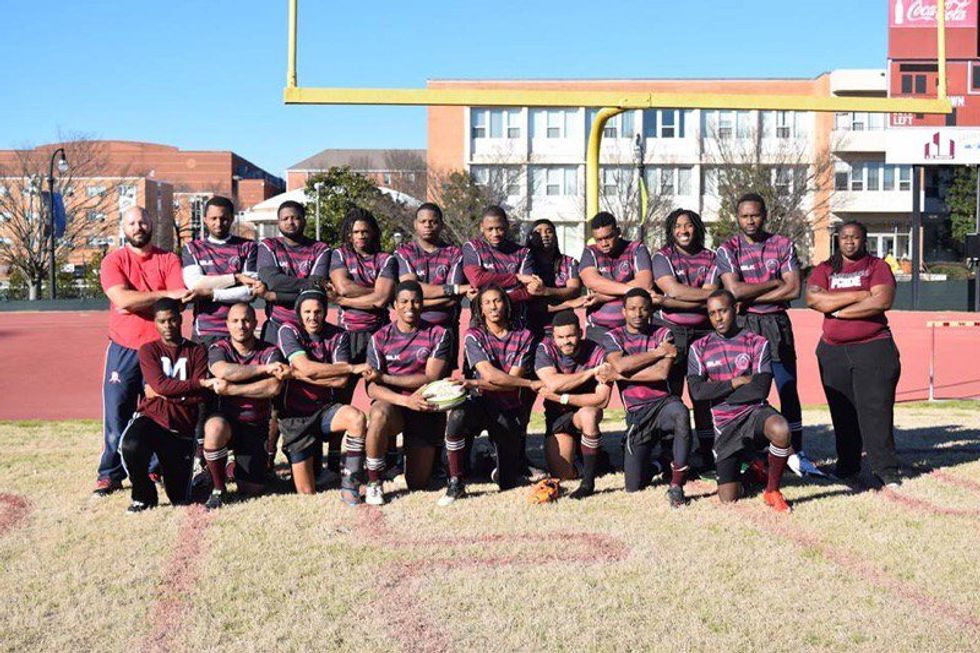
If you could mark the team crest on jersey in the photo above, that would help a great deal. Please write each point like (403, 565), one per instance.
(442, 270)
(742, 362)
(422, 354)
(772, 264)
(234, 262)
(624, 267)
(304, 267)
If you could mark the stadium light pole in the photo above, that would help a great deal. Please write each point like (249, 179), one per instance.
(639, 151)
(62, 168)
(318, 186)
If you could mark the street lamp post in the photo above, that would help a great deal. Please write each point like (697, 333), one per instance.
(639, 150)
(62, 168)
(318, 186)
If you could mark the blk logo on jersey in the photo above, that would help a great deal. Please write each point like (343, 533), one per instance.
(174, 371)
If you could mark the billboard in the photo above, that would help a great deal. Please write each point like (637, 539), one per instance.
(922, 13)
(932, 146)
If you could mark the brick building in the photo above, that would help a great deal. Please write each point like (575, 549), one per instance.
(399, 169)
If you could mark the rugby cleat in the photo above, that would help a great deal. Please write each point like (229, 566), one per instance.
(375, 495)
(350, 496)
(776, 501)
(454, 490)
(138, 506)
(802, 466)
(105, 486)
(889, 481)
(675, 496)
(583, 490)
(216, 500)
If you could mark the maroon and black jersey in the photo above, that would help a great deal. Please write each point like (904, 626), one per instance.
(245, 409)
(331, 345)
(485, 265)
(175, 374)
(554, 275)
(440, 267)
(634, 257)
(588, 356)
(392, 351)
(694, 271)
(718, 358)
(512, 350)
(637, 394)
(309, 259)
(758, 263)
(215, 258)
(364, 270)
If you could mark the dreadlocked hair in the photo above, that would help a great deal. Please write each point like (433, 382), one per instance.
(477, 321)
(533, 242)
(836, 260)
(695, 219)
(354, 215)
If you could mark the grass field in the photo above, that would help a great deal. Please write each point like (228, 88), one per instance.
(872, 571)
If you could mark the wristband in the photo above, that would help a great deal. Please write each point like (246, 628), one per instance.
(564, 399)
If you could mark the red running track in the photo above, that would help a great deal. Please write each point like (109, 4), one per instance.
(52, 361)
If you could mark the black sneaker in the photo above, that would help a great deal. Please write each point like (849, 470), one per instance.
(216, 500)
(583, 490)
(675, 496)
(454, 490)
(138, 506)
(106, 486)
(890, 481)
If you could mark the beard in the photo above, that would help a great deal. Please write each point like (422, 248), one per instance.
(139, 240)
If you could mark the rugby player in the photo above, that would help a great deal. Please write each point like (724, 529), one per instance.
(499, 353)
(762, 272)
(494, 259)
(731, 369)
(684, 271)
(319, 355)
(133, 278)
(559, 288)
(567, 364)
(174, 370)
(640, 356)
(611, 268)
(253, 371)
(859, 362)
(402, 357)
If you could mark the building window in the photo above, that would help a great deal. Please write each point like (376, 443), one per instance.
(197, 216)
(874, 177)
(711, 182)
(743, 124)
(513, 118)
(857, 177)
(783, 180)
(95, 191)
(724, 124)
(920, 84)
(95, 216)
(669, 180)
(556, 124)
(505, 180)
(664, 123)
(495, 123)
(871, 176)
(975, 77)
(554, 181)
(610, 178)
(551, 123)
(478, 121)
(904, 177)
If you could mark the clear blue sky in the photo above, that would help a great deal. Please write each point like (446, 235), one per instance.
(208, 74)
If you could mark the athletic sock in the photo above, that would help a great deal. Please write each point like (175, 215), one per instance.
(334, 458)
(376, 469)
(777, 463)
(216, 459)
(354, 462)
(796, 436)
(589, 445)
(456, 454)
(677, 474)
(706, 443)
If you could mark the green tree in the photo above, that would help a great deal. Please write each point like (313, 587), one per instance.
(961, 199)
(462, 202)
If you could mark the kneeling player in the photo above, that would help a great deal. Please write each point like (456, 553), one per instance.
(174, 371)
(253, 370)
(731, 369)
(319, 355)
(499, 354)
(640, 357)
(402, 357)
(567, 364)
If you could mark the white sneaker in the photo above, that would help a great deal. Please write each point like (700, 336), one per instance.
(375, 495)
(802, 466)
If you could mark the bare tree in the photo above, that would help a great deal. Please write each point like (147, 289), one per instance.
(463, 196)
(620, 193)
(408, 169)
(91, 193)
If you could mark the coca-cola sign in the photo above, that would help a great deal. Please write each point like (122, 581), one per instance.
(922, 13)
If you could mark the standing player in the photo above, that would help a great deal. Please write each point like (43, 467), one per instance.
(640, 357)
(319, 355)
(288, 265)
(560, 286)
(253, 371)
(174, 370)
(610, 269)
(762, 272)
(859, 362)
(731, 369)
(494, 259)
(133, 278)
(567, 365)
(684, 271)
(402, 357)
(499, 353)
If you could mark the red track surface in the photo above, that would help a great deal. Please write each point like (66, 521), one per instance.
(52, 361)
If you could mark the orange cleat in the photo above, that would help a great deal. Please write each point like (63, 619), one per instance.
(776, 501)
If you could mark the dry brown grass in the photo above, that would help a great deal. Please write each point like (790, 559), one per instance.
(844, 572)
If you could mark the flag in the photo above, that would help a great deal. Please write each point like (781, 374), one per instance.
(60, 217)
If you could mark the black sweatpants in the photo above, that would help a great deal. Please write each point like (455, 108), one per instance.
(143, 438)
(506, 431)
(670, 421)
(860, 382)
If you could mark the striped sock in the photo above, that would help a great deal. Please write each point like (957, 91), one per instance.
(677, 475)
(215, 459)
(456, 453)
(777, 463)
(589, 445)
(376, 469)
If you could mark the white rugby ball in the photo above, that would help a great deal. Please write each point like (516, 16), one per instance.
(444, 394)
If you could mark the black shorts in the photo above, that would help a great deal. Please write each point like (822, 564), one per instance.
(683, 337)
(777, 329)
(643, 424)
(358, 345)
(506, 429)
(303, 435)
(423, 429)
(561, 422)
(248, 441)
(740, 439)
